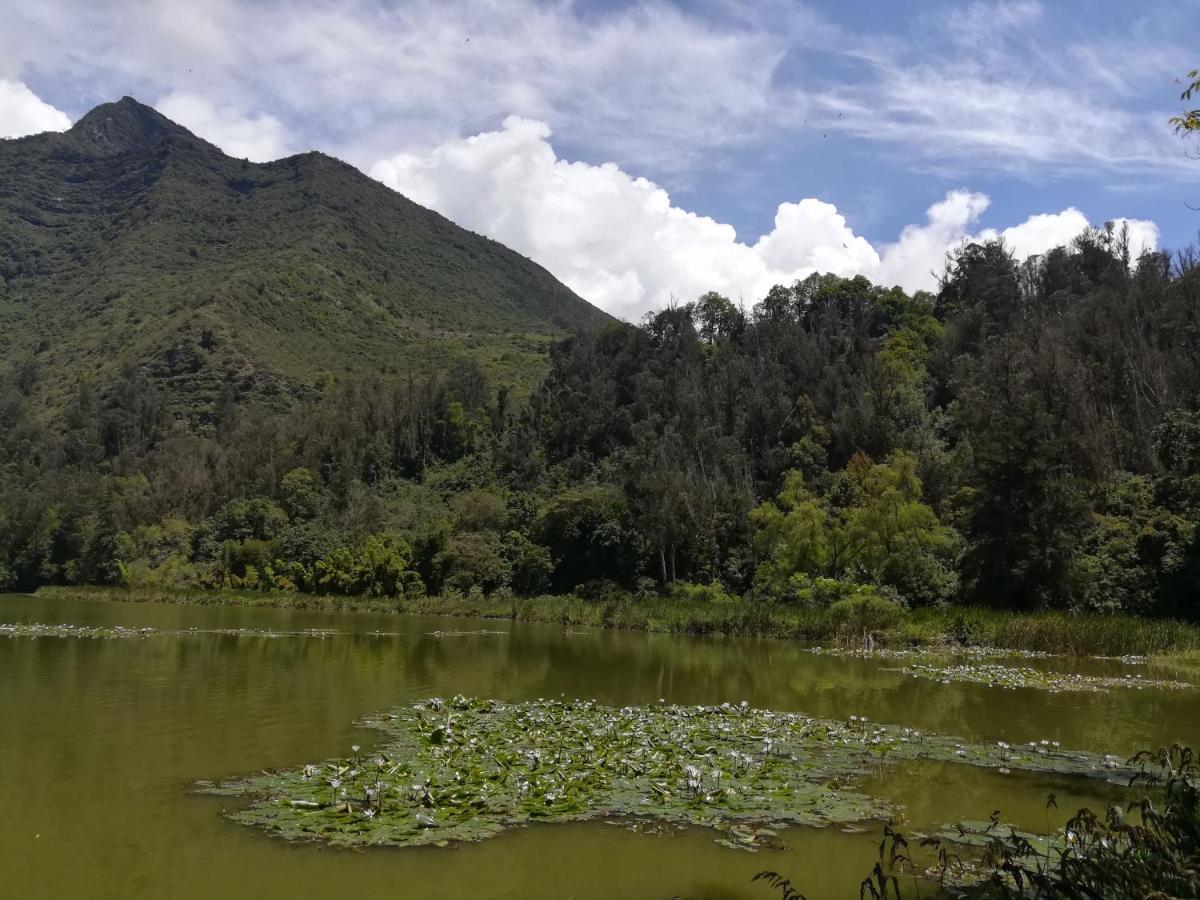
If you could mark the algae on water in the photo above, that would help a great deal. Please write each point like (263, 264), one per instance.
(466, 769)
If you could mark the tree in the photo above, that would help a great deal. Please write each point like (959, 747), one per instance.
(1190, 120)
(870, 527)
(300, 494)
(589, 535)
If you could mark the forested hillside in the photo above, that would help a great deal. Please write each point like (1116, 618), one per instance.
(132, 252)
(1028, 437)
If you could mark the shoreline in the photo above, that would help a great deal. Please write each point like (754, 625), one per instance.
(1050, 632)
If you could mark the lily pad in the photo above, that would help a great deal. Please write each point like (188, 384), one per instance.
(64, 630)
(996, 675)
(929, 651)
(466, 769)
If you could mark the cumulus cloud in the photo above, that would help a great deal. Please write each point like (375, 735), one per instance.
(915, 260)
(619, 241)
(1039, 233)
(258, 138)
(22, 112)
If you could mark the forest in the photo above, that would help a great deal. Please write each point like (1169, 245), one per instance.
(1026, 438)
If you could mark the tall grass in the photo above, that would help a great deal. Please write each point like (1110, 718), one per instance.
(1056, 632)
(845, 622)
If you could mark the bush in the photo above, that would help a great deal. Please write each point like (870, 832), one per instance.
(701, 594)
(601, 591)
(813, 592)
(867, 614)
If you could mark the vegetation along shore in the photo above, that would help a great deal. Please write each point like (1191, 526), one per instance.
(848, 623)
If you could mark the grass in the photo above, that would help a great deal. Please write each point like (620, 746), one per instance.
(1074, 635)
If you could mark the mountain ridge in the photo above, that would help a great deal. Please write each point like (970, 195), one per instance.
(127, 242)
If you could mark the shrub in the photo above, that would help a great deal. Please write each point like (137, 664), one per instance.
(701, 594)
(866, 614)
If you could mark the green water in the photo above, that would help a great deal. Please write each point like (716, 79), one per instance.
(101, 739)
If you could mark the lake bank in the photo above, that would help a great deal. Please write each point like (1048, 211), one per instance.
(1049, 632)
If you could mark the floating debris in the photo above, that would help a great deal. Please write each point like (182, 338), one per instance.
(932, 651)
(62, 630)
(467, 769)
(442, 634)
(1012, 677)
(260, 632)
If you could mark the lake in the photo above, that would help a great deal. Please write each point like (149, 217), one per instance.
(101, 741)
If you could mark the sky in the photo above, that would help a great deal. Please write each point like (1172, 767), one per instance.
(647, 152)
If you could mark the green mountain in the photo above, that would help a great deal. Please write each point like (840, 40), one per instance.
(129, 242)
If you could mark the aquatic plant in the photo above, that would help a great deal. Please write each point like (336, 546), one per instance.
(64, 630)
(477, 631)
(1148, 848)
(930, 651)
(996, 675)
(466, 769)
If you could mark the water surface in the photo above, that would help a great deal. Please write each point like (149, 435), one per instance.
(100, 741)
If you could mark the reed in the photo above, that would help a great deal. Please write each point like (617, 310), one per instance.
(875, 623)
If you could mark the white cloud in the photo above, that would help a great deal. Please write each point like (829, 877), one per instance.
(1143, 234)
(258, 138)
(659, 85)
(619, 241)
(1018, 87)
(22, 112)
(647, 82)
(917, 258)
(1041, 232)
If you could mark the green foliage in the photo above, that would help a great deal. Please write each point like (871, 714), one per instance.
(379, 566)
(356, 396)
(529, 564)
(871, 527)
(701, 594)
(865, 614)
(1189, 121)
(1134, 548)
(257, 519)
(300, 494)
(588, 534)
(480, 510)
(473, 559)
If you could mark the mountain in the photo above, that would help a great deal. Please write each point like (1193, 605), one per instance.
(129, 243)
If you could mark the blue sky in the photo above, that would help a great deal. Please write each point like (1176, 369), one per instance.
(648, 151)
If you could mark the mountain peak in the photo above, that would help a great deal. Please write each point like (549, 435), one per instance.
(125, 125)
